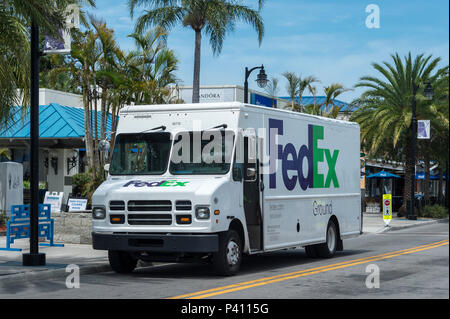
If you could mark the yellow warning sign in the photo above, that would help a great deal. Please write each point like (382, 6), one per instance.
(387, 208)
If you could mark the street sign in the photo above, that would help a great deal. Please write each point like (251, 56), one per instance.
(77, 204)
(387, 208)
(55, 200)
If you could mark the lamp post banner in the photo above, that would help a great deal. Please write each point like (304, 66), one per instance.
(55, 45)
(62, 44)
(423, 129)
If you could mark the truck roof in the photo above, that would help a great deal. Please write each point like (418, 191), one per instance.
(133, 109)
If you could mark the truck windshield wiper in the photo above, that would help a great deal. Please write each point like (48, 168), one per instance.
(222, 126)
(162, 127)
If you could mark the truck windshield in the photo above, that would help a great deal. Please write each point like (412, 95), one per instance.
(207, 152)
(140, 154)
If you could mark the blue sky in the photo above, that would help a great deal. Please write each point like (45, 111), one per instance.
(325, 38)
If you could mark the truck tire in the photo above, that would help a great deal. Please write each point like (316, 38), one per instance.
(328, 249)
(311, 251)
(227, 260)
(121, 261)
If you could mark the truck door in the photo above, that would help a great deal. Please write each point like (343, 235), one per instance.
(251, 188)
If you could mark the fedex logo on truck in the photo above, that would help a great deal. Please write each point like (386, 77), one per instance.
(292, 161)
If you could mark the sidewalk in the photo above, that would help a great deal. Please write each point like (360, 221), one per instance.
(373, 223)
(92, 261)
(57, 259)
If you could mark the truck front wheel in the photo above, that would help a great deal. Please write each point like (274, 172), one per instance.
(121, 261)
(227, 260)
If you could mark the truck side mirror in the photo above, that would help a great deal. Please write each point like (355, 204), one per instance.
(237, 175)
(106, 167)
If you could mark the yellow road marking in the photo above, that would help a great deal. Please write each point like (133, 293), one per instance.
(305, 272)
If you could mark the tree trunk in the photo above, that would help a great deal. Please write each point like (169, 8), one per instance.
(409, 170)
(90, 140)
(115, 112)
(103, 114)
(196, 82)
(440, 184)
(88, 127)
(426, 191)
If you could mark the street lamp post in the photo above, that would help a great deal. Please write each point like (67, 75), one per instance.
(261, 80)
(429, 96)
(34, 258)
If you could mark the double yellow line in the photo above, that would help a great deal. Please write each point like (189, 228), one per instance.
(306, 272)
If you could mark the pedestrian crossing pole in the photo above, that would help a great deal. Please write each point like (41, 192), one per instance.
(387, 209)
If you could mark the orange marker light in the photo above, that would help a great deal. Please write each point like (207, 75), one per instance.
(216, 212)
(185, 219)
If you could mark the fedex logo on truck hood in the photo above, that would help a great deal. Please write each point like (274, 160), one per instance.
(292, 160)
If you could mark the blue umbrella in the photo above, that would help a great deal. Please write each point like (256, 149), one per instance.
(383, 174)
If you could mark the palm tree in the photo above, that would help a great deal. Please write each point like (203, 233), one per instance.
(331, 94)
(214, 18)
(305, 83)
(4, 152)
(385, 107)
(156, 64)
(313, 90)
(272, 89)
(292, 86)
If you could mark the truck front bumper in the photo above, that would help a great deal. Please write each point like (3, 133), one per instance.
(190, 243)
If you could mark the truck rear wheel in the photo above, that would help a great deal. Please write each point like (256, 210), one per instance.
(328, 249)
(121, 261)
(227, 260)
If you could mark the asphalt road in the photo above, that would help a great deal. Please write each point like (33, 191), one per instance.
(412, 263)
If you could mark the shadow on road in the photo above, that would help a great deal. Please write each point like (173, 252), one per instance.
(264, 263)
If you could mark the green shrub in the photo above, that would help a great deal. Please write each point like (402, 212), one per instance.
(434, 211)
(3, 219)
(81, 183)
(84, 184)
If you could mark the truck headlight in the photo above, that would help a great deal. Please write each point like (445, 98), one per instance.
(98, 213)
(202, 212)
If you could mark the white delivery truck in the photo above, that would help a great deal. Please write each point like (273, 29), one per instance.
(211, 182)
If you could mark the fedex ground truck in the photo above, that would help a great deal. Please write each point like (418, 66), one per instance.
(211, 182)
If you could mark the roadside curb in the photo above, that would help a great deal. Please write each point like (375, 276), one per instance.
(394, 228)
(53, 273)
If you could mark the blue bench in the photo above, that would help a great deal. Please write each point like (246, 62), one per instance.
(18, 226)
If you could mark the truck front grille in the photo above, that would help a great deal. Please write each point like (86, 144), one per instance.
(149, 219)
(149, 206)
(117, 205)
(183, 205)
